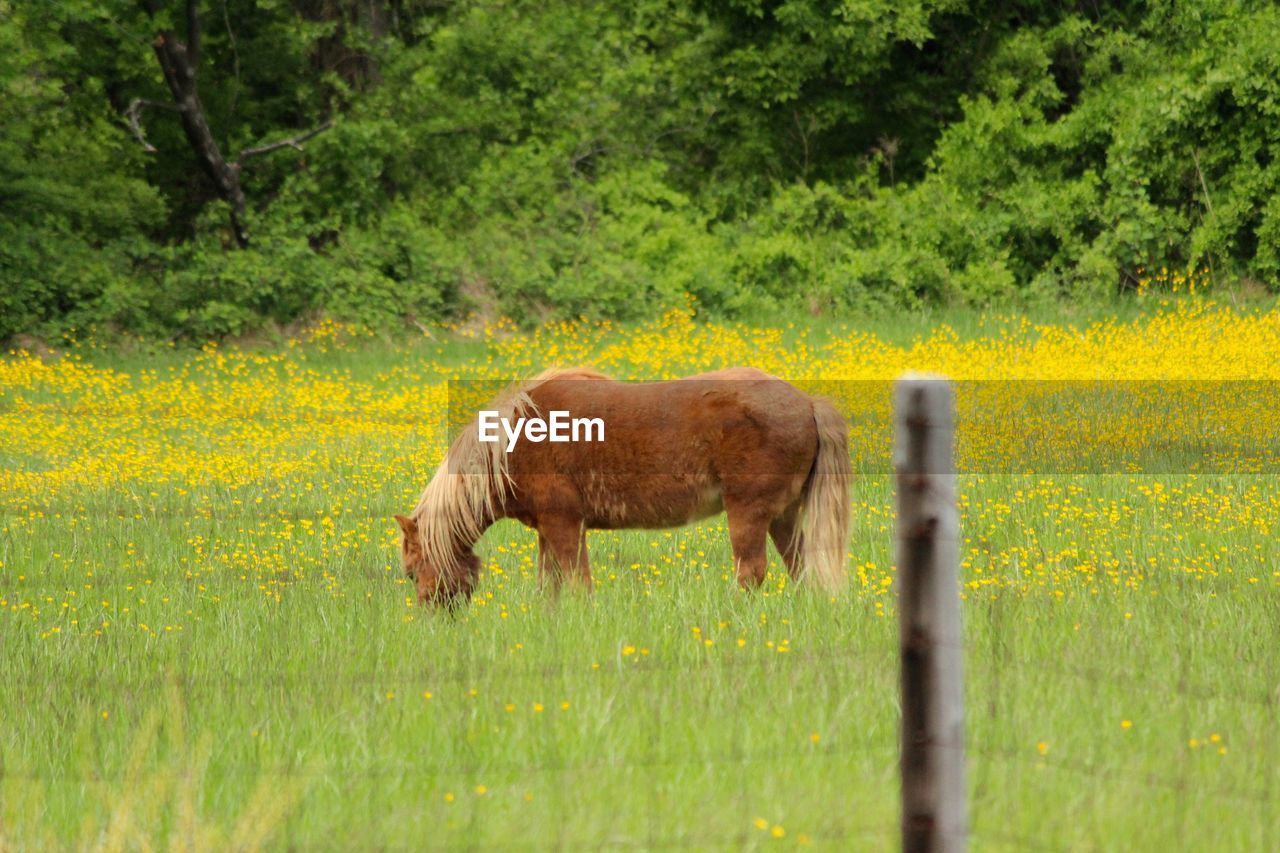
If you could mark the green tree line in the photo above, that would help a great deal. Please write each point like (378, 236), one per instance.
(203, 167)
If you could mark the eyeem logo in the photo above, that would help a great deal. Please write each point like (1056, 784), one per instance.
(560, 427)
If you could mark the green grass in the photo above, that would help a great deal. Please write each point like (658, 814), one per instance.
(276, 695)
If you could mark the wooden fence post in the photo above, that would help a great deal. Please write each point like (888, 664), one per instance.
(934, 794)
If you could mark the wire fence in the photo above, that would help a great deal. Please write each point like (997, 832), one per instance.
(757, 666)
(993, 765)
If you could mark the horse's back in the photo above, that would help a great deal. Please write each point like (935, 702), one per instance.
(717, 402)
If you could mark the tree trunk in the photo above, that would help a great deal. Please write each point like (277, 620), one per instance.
(177, 62)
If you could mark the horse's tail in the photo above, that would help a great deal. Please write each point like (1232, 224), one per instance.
(826, 501)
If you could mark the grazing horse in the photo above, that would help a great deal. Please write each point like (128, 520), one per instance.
(737, 441)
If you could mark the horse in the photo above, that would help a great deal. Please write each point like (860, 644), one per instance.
(771, 457)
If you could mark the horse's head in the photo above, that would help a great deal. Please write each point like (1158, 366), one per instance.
(437, 584)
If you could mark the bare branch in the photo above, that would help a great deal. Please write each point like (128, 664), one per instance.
(1208, 202)
(134, 114)
(294, 142)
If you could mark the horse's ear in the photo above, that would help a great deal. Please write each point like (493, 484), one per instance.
(408, 525)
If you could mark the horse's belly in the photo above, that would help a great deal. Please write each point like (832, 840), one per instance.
(659, 505)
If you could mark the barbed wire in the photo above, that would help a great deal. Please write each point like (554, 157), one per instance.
(790, 756)
(607, 664)
(483, 669)
(505, 768)
(637, 661)
(1185, 785)
(212, 417)
(478, 769)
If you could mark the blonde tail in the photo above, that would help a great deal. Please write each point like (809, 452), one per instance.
(826, 502)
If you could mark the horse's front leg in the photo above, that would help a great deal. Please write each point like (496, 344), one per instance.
(562, 551)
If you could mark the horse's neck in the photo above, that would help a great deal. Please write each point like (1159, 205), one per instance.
(463, 543)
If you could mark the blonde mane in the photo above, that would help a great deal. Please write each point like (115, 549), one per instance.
(473, 479)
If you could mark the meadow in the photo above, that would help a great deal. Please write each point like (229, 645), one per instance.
(207, 640)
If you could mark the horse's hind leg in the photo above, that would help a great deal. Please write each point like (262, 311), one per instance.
(747, 530)
(785, 532)
(548, 573)
(562, 551)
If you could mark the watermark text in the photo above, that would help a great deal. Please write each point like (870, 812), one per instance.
(560, 426)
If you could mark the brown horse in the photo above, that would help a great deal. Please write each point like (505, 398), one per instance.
(738, 441)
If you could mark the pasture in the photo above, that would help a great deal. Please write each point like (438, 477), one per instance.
(207, 640)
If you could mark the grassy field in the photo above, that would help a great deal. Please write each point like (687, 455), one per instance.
(206, 640)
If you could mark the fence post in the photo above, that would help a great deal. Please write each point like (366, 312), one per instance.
(934, 794)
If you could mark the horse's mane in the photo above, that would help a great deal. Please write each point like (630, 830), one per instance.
(461, 496)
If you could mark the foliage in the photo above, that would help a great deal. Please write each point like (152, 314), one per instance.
(594, 159)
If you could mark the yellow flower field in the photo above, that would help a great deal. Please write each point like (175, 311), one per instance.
(208, 641)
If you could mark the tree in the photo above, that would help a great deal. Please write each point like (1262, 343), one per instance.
(179, 63)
